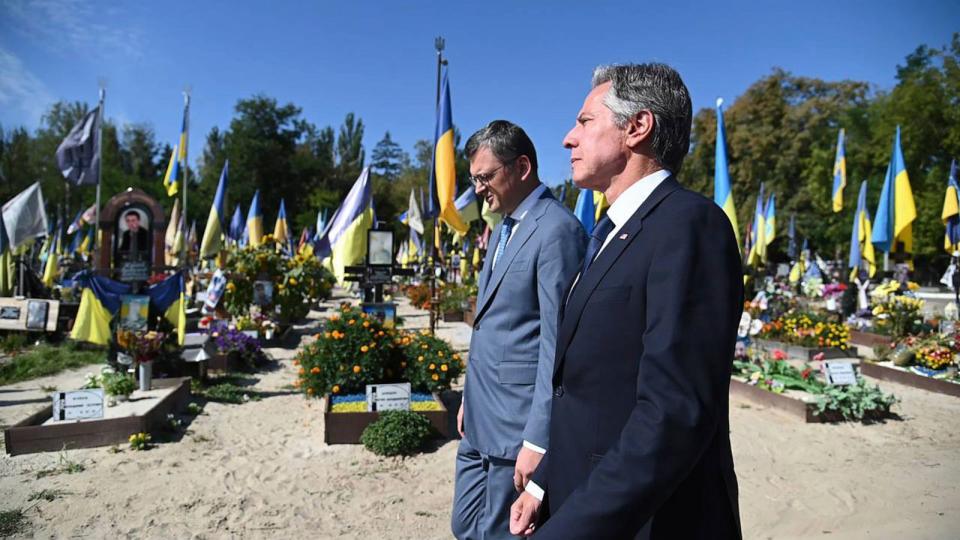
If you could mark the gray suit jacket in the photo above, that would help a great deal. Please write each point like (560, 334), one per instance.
(509, 375)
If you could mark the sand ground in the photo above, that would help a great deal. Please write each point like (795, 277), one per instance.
(262, 470)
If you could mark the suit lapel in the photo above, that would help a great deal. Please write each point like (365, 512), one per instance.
(598, 269)
(488, 261)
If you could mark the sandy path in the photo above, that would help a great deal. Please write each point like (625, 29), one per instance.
(261, 470)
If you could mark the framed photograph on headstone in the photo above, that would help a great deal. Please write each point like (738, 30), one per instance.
(134, 310)
(262, 292)
(380, 244)
(37, 313)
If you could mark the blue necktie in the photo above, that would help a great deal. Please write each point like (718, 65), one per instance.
(508, 223)
(600, 233)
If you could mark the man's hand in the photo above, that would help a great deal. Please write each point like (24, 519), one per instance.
(460, 421)
(527, 461)
(523, 515)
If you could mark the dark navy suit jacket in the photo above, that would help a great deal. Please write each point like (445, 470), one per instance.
(639, 430)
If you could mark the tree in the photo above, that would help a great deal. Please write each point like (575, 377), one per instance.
(388, 158)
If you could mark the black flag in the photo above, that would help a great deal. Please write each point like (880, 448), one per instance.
(78, 155)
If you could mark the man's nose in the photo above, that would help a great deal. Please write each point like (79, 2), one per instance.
(569, 141)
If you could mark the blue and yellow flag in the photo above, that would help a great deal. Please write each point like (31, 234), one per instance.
(52, 268)
(281, 231)
(722, 191)
(255, 221)
(600, 204)
(862, 255)
(345, 240)
(86, 247)
(175, 308)
(585, 210)
(444, 162)
(235, 232)
(757, 253)
(210, 247)
(6, 260)
(770, 221)
(839, 174)
(170, 178)
(896, 210)
(951, 212)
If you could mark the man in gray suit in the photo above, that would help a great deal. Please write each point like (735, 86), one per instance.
(533, 257)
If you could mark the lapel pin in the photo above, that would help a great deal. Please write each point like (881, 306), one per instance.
(624, 236)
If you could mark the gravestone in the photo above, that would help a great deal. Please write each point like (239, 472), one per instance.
(132, 230)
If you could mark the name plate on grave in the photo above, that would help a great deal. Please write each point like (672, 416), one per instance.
(840, 373)
(78, 404)
(134, 271)
(388, 397)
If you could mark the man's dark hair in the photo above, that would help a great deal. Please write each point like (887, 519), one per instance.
(506, 140)
(659, 89)
(131, 213)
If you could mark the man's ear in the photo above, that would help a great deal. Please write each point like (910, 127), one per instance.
(525, 167)
(639, 129)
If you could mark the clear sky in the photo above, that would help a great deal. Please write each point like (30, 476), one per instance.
(529, 62)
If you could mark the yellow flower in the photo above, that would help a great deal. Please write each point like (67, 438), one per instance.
(231, 287)
(292, 281)
(435, 377)
(432, 366)
(336, 389)
(364, 348)
(419, 359)
(440, 354)
(456, 356)
(443, 367)
(356, 369)
(366, 324)
(424, 346)
(351, 321)
(326, 335)
(315, 370)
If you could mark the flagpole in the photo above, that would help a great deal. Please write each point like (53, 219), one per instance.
(96, 219)
(186, 175)
(439, 43)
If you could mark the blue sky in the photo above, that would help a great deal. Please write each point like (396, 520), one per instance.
(529, 62)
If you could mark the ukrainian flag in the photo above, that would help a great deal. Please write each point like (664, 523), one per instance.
(184, 128)
(722, 193)
(861, 248)
(758, 246)
(770, 221)
(600, 204)
(174, 227)
(177, 312)
(255, 221)
(444, 162)
(467, 205)
(236, 225)
(585, 210)
(210, 246)
(951, 212)
(52, 268)
(6, 260)
(281, 232)
(86, 247)
(346, 238)
(839, 174)
(170, 179)
(896, 210)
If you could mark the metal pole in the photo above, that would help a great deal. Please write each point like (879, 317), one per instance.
(96, 219)
(439, 44)
(186, 177)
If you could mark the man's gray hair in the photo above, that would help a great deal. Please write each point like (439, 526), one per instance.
(659, 89)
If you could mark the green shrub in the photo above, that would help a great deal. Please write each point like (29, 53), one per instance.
(396, 433)
(118, 384)
(428, 362)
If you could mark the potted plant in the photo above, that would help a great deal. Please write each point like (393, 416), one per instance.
(118, 386)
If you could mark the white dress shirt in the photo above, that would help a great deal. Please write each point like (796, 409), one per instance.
(619, 213)
(519, 213)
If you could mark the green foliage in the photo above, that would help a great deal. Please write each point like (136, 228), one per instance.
(429, 363)
(856, 402)
(194, 408)
(13, 342)
(396, 433)
(353, 351)
(229, 393)
(48, 495)
(12, 522)
(117, 384)
(45, 359)
(140, 441)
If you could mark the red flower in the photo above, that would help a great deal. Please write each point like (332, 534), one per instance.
(779, 355)
(805, 374)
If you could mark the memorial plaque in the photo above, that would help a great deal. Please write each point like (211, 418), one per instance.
(9, 313)
(840, 373)
(134, 271)
(388, 397)
(78, 404)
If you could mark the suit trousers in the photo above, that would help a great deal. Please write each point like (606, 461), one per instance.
(483, 493)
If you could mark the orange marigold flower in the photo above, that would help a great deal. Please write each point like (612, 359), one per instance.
(351, 321)
(419, 359)
(296, 362)
(315, 370)
(366, 324)
(403, 364)
(310, 391)
(335, 389)
(435, 377)
(364, 348)
(302, 371)
(432, 366)
(456, 356)
(443, 367)
(440, 354)
(356, 369)
(326, 335)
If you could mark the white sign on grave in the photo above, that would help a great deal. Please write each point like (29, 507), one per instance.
(78, 404)
(388, 397)
(840, 373)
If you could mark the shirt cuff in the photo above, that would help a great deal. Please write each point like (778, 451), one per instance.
(530, 446)
(535, 490)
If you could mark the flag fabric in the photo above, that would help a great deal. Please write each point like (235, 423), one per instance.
(236, 225)
(52, 266)
(321, 225)
(839, 174)
(444, 162)
(93, 320)
(345, 240)
(78, 155)
(722, 190)
(770, 221)
(951, 212)
(6, 261)
(585, 211)
(281, 232)
(210, 246)
(25, 216)
(562, 197)
(76, 223)
(86, 247)
(184, 130)
(896, 210)
(862, 255)
(74, 248)
(490, 217)
(757, 252)
(174, 227)
(255, 221)
(168, 298)
(600, 204)
(412, 217)
(170, 178)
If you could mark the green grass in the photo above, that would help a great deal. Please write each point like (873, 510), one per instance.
(45, 359)
(12, 522)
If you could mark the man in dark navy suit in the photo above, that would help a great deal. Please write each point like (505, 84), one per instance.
(639, 430)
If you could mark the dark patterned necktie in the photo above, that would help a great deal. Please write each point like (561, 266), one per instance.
(599, 235)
